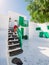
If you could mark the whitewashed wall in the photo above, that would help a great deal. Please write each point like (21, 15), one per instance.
(26, 31)
(15, 16)
(32, 29)
(3, 39)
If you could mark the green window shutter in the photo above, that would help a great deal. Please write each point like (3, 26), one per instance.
(21, 20)
(26, 23)
(48, 27)
(41, 34)
(38, 28)
(46, 34)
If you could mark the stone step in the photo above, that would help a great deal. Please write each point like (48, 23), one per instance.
(12, 38)
(14, 46)
(16, 52)
(13, 42)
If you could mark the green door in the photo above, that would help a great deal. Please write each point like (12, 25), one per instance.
(21, 20)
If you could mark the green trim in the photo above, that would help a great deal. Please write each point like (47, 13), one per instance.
(41, 34)
(26, 23)
(48, 27)
(44, 34)
(38, 28)
(25, 37)
(21, 20)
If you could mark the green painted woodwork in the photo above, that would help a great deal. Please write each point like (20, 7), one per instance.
(46, 34)
(26, 23)
(40, 34)
(48, 27)
(21, 20)
(38, 28)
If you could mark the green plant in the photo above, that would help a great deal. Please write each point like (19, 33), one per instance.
(39, 10)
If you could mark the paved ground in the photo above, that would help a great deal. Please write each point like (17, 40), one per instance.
(36, 52)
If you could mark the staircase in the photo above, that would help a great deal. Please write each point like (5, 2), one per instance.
(13, 43)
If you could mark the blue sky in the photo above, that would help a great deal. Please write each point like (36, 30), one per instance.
(18, 6)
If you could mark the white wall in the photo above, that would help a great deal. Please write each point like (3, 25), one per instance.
(3, 21)
(32, 29)
(15, 16)
(26, 31)
(3, 38)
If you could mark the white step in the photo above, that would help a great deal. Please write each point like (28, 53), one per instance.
(14, 49)
(10, 36)
(13, 40)
(14, 44)
(10, 33)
